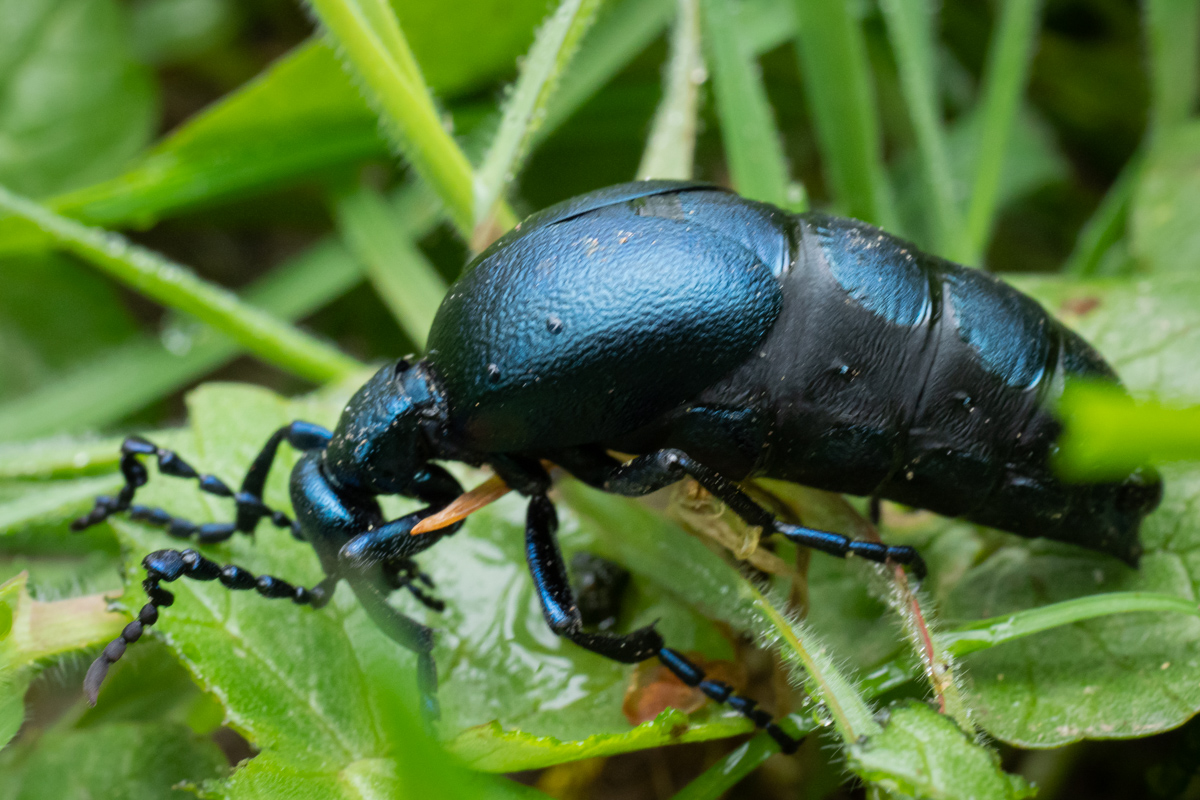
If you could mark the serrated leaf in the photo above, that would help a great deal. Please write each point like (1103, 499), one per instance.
(923, 754)
(125, 760)
(1165, 218)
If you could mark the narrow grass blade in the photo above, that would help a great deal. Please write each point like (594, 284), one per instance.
(1106, 433)
(132, 376)
(1107, 223)
(911, 29)
(620, 34)
(837, 79)
(369, 38)
(410, 286)
(525, 110)
(1173, 31)
(752, 148)
(670, 149)
(1004, 82)
(998, 630)
(176, 287)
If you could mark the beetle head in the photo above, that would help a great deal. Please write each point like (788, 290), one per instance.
(384, 436)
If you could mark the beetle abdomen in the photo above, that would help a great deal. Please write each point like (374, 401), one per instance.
(893, 373)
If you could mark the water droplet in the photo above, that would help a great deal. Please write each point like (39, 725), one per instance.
(493, 373)
(554, 324)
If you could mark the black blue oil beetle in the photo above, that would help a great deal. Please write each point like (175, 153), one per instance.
(712, 337)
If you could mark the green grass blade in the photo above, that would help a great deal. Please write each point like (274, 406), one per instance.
(552, 51)
(368, 40)
(752, 148)
(671, 147)
(998, 630)
(766, 24)
(1173, 31)
(910, 26)
(837, 79)
(176, 287)
(1004, 82)
(1106, 433)
(151, 367)
(409, 285)
(131, 377)
(1107, 223)
(621, 33)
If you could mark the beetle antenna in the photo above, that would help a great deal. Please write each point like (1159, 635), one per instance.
(250, 506)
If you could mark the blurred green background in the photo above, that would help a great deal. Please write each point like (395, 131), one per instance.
(1053, 137)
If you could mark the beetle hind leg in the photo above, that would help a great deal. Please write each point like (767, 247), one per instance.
(647, 473)
(562, 614)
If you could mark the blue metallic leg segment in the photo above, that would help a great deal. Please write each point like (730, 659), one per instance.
(170, 565)
(562, 615)
(648, 473)
(250, 505)
(558, 600)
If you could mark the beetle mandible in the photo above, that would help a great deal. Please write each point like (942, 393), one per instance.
(710, 336)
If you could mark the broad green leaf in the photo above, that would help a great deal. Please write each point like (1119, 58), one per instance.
(31, 630)
(125, 760)
(299, 116)
(1120, 676)
(53, 499)
(921, 753)
(74, 104)
(54, 315)
(1165, 218)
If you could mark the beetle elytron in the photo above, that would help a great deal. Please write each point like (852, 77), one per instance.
(717, 338)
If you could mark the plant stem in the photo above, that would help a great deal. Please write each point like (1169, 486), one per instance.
(176, 287)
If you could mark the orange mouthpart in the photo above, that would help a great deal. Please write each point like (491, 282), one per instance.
(465, 505)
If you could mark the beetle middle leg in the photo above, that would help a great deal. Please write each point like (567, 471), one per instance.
(562, 615)
(662, 468)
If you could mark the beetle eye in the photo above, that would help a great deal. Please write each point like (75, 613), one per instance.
(402, 366)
